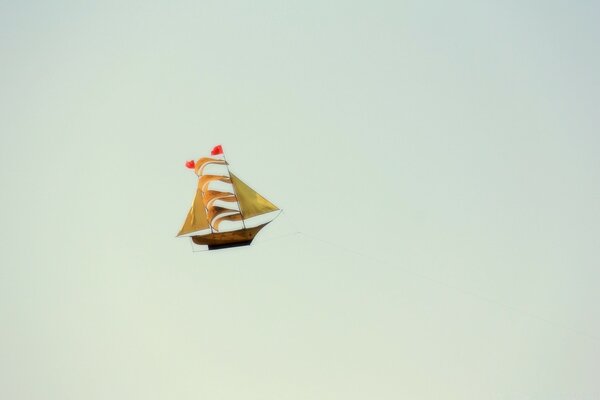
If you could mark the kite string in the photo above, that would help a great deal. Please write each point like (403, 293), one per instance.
(296, 231)
(458, 289)
(276, 238)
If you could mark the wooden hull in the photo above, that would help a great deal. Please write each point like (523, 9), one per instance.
(222, 240)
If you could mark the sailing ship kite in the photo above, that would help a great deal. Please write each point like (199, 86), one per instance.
(226, 212)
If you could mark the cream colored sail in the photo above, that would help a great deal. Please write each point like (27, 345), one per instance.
(205, 161)
(220, 205)
(210, 196)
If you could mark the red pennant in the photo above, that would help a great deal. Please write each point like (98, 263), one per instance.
(217, 150)
(190, 164)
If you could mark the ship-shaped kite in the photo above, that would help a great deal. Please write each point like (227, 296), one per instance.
(226, 212)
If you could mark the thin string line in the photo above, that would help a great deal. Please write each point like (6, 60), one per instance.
(276, 238)
(458, 289)
(438, 282)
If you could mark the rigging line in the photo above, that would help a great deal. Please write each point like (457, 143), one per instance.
(458, 289)
(277, 238)
(237, 199)
(277, 216)
(289, 220)
(280, 236)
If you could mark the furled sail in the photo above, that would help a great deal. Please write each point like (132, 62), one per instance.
(219, 205)
(206, 180)
(231, 217)
(205, 161)
(210, 196)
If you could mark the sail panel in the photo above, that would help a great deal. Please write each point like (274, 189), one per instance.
(251, 203)
(203, 232)
(205, 180)
(211, 196)
(232, 217)
(196, 219)
(214, 211)
(204, 161)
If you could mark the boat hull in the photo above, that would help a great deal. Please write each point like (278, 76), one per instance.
(223, 240)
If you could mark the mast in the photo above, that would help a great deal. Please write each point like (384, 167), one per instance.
(234, 193)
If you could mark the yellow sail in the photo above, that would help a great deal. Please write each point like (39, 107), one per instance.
(251, 203)
(196, 219)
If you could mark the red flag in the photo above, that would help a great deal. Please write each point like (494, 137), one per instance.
(216, 150)
(190, 164)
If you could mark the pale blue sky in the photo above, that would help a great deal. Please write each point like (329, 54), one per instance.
(446, 151)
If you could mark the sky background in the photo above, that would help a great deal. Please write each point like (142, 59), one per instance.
(440, 158)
